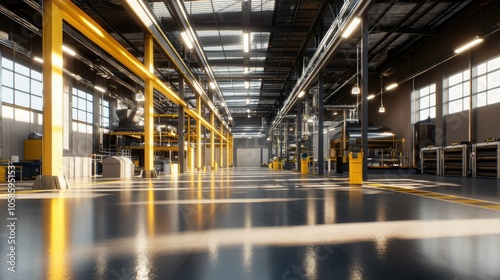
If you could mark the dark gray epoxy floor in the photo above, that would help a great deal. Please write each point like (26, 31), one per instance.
(254, 224)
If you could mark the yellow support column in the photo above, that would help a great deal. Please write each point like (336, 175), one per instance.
(228, 150)
(149, 170)
(212, 141)
(231, 149)
(198, 134)
(221, 147)
(189, 151)
(52, 150)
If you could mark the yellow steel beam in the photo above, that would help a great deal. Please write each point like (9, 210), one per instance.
(52, 152)
(166, 116)
(221, 148)
(88, 27)
(212, 140)
(198, 133)
(148, 105)
(231, 150)
(204, 122)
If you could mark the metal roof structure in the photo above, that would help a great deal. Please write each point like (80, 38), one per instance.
(283, 36)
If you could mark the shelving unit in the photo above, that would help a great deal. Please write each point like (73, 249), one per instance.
(485, 162)
(455, 160)
(430, 160)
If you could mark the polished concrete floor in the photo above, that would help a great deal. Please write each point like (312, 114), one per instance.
(256, 224)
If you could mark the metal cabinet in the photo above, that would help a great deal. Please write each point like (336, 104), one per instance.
(455, 160)
(430, 160)
(485, 160)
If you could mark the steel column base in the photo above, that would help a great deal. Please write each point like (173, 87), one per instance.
(149, 174)
(45, 182)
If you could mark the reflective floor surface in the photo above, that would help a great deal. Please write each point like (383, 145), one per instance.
(255, 224)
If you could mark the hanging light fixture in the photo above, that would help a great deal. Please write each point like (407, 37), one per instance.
(139, 96)
(382, 108)
(355, 89)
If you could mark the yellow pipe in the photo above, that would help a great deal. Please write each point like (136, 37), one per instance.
(212, 141)
(198, 133)
(52, 152)
(148, 106)
(166, 116)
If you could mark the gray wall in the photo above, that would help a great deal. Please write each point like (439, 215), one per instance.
(250, 151)
(449, 128)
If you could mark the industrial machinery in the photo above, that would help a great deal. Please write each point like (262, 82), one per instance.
(485, 159)
(456, 160)
(127, 139)
(384, 150)
(431, 160)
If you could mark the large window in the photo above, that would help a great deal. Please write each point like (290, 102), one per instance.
(425, 102)
(21, 86)
(104, 104)
(486, 82)
(456, 91)
(82, 106)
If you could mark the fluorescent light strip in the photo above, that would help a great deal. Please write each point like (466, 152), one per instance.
(371, 96)
(98, 88)
(38, 59)
(391, 86)
(68, 50)
(246, 42)
(187, 40)
(354, 23)
(469, 45)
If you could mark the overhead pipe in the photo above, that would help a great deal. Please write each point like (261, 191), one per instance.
(151, 24)
(323, 54)
(178, 11)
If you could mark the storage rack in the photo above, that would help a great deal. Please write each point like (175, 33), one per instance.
(455, 160)
(485, 160)
(430, 160)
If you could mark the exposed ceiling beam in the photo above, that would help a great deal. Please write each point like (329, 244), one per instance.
(411, 31)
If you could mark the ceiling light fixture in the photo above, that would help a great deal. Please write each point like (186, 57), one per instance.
(476, 41)
(38, 59)
(301, 93)
(248, 100)
(354, 23)
(371, 96)
(391, 86)
(98, 88)
(355, 89)
(68, 50)
(246, 42)
(247, 84)
(139, 96)
(212, 85)
(381, 109)
(187, 40)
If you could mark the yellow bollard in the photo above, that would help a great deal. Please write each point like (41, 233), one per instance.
(355, 168)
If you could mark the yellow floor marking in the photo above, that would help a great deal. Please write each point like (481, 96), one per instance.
(439, 196)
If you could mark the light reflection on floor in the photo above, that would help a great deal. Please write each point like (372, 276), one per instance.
(254, 224)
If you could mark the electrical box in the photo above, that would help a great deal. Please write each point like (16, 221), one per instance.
(32, 149)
